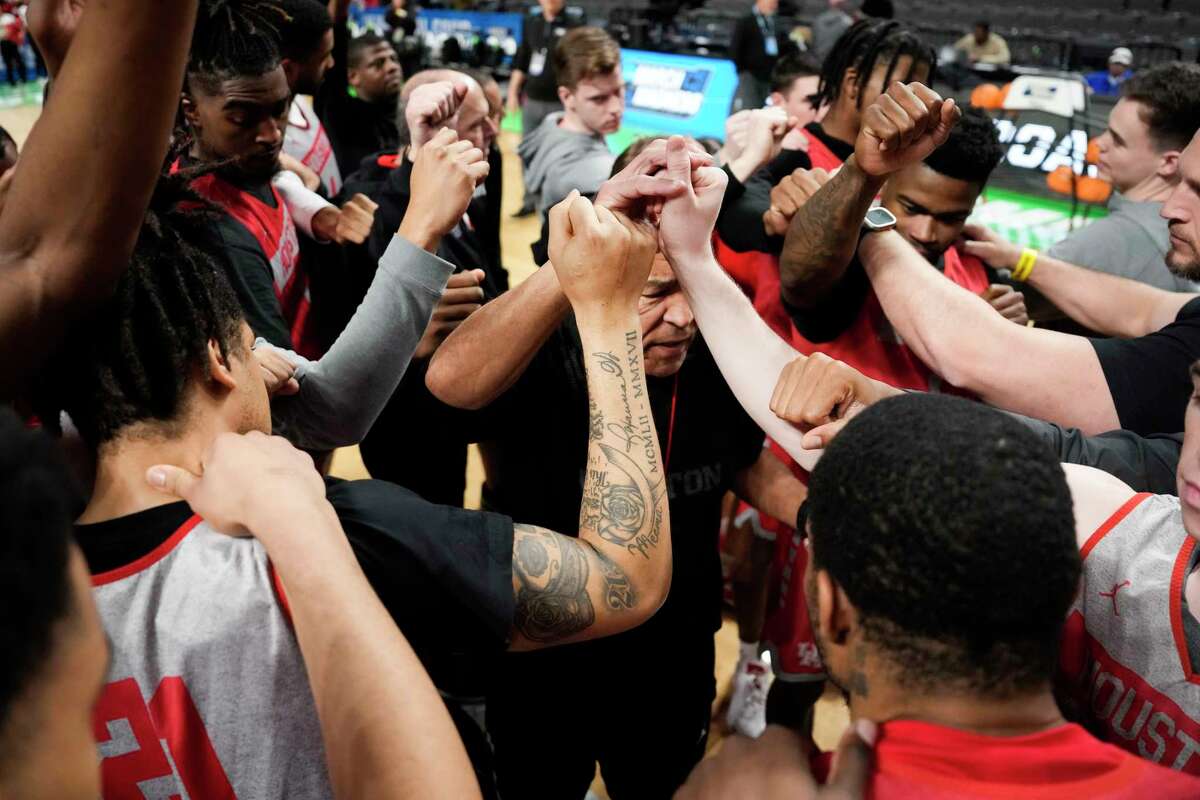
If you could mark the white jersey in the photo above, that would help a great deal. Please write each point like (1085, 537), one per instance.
(307, 142)
(208, 695)
(1125, 647)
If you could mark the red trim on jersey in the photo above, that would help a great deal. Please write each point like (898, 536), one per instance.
(154, 556)
(1111, 523)
(280, 594)
(1178, 577)
(391, 161)
(820, 155)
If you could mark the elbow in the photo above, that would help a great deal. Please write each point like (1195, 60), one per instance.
(451, 386)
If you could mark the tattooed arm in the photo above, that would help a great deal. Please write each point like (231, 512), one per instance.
(902, 127)
(823, 235)
(616, 574)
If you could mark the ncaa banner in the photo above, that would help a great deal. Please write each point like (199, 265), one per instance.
(668, 93)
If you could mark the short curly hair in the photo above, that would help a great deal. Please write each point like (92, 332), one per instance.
(972, 151)
(950, 527)
(1170, 98)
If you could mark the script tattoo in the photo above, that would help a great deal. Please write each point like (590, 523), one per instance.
(552, 575)
(620, 502)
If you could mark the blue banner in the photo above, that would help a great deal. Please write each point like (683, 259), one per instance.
(667, 93)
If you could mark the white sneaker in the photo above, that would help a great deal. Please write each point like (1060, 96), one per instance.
(747, 713)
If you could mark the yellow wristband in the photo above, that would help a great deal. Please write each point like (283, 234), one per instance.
(1025, 263)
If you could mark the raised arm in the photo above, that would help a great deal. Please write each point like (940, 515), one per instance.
(1039, 373)
(492, 348)
(1107, 304)
(81, 188)
(343, 394)
(616, 574)
(384, 725)
(902, 127)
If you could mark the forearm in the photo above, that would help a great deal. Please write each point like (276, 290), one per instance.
(1032, 371)
(516, 83)
(823, 235)
(1107, 304)
(749, 354)
(491, 349)
(302, 203)
(384, 725)
(69, 224)
(769, 486)
(343, 394)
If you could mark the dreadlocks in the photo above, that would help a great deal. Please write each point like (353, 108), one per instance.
(234, 38)
(133, 361)
(865, 45)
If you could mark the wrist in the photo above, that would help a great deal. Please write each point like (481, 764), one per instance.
(419, 233)
(605, 318)
(324, 224)
(870, 245)
(870, 184)
(1023, 266)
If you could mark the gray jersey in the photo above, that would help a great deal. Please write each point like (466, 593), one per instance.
(1125, 644)
(207, 694)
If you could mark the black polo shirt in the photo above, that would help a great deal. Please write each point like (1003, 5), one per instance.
(535, 54)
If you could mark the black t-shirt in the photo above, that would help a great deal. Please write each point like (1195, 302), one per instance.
(538, 40)
(748, 48)
(444, 574)
(1149, 376)
(740, 224)
(356, 128)
(534, 441)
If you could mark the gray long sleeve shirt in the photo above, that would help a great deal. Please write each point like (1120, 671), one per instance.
(342, 394)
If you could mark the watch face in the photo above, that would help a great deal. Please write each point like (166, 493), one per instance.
(879, 218)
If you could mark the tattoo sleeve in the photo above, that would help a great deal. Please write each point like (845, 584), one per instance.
(823, 236)
(616, 573)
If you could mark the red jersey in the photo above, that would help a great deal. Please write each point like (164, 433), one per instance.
(871, 346)
(275, 233)
(821, 156)
(921, 761)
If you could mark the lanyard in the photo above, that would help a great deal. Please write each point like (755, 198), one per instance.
(671, 428)
(767, 28)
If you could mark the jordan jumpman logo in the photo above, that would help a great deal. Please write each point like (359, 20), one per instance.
(1113, 594)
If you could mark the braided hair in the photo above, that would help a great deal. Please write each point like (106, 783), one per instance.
(234, 38)
(866, 44)
(133, 360)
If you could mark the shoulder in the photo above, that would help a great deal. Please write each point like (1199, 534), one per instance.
(1096, 496)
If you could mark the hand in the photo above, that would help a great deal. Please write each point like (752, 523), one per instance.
(53, 23)
(1007, 301)
(796, 139)
(462, 298)
(349, 225)
(687, 220)
(820, 393)
(310, 179)
(247, 484)
(789, 195)
(429, 107)
(444, 177)
(775, 766)
(764, 134)
(601, 261)
(984, 243)
(278, 370)
(735, 134)
(639, 190)
(902, 127)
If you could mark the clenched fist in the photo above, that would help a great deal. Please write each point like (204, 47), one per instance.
(903, 126)
(444, 176)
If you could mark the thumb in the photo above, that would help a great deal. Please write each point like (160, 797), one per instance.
(679, 160)
(852, 761)
(171, 480)
(976, 248)
(819, 437)
(950, 114)
(975, 231)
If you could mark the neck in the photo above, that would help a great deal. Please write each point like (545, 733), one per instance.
(546, 15)
(572, 122)
(842, 121)
(1014, 716)
(1154, 189)
(121, 487)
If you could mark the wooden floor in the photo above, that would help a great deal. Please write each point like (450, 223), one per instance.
(517, 234)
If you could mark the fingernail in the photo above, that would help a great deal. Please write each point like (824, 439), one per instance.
(867, 730)
(157, 477)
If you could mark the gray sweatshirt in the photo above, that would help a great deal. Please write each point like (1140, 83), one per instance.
(342, 394)
(557, 161)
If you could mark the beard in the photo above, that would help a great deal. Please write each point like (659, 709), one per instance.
(1188, 269)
